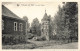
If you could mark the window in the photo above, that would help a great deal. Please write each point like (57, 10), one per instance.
(46, 33)
(46, 26)
(42, 30)
(46, 22)
(15, 26)
(20, 27)
(2, 24)
(42, 23)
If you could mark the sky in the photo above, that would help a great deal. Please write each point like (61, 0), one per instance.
(33, 9)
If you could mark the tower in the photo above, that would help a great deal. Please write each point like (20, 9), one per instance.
(45, 26)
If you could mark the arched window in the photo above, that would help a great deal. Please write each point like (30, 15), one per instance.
(15, 26)
(20, 27)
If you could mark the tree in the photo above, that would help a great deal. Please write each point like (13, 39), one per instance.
(51, 27)
(59, 22)
(71, 10)
(27, 27)
(27, 23)
(36, 27)
(66, 21)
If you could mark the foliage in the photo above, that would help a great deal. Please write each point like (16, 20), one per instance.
(36, 27)
(66, 21)
(27, 23)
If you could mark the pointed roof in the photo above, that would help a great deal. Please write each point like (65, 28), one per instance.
(46, 17)
(8, 13)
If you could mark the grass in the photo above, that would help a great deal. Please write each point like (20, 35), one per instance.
(34, 44)
(73, 45)
(19, 46)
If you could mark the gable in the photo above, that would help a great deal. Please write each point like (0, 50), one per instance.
(8, 13)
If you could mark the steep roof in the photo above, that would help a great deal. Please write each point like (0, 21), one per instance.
(8, 13)
(46, 17)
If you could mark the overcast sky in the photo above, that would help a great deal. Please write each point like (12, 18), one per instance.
(33, 9)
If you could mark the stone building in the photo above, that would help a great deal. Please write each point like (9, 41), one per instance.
(13, 27)
(45, 26)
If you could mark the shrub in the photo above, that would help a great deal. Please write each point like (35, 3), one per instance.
(41, 39)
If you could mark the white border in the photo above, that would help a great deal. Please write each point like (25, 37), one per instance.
(40, 49)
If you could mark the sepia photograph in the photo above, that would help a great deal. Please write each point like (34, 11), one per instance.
(39, 25)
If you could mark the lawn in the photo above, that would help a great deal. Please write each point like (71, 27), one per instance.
(19, 46)
(73, 45)
(43, 45)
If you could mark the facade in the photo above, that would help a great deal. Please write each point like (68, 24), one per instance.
(13, 27)
(45, 26)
